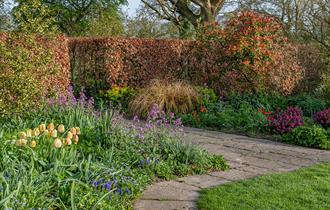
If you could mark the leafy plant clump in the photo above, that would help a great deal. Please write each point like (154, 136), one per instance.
(46, 167)
(322, 118)
(285, 121)
(118, 97)
(314, 136)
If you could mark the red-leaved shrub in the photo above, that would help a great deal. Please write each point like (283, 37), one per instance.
(285, 121)
(256, 54)
(322, 118)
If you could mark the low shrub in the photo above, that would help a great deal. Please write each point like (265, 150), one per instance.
(285, 121)
(177, 97)
(307, 103)
(118, 97)
(309, 137)
(322, 118)
(243, 119)
(270, 101)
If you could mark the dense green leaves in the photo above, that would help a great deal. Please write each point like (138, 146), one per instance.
(73, 18)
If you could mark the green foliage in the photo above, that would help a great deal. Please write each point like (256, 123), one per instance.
(74, 177)
(109, 23)
(308, 104)
(309, 136)
(164, 171)
(269, 101)
(73, 18)
(119, 97)
(207, 95)
(25, 66)
(324, 88)
(33, 16)
(244, 118)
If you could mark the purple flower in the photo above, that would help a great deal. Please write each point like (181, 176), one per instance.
(136, 118)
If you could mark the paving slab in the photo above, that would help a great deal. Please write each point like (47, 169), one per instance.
(247, 157)
(203, 181)
(171, 190)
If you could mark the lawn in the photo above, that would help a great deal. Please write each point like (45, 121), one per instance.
(307, 188)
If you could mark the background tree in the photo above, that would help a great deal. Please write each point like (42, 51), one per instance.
(146, 25)
(32, 16)
(186, 13)
(108, 23)
(73, 17)
(5, 20)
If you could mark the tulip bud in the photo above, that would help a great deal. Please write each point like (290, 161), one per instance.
(57, 143)
(61, 128)
(54, 133)
(68, 141)
(35, 132)
(33, 144)
(42, 127)
(75, 139)
(22, 135)
(51, 126)
(29, 133)
(21, 142)
(73, 131)
(78, 131)
(69, 135)
(18, 142)
(46, 132)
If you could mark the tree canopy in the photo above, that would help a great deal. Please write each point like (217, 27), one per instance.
(72, 17)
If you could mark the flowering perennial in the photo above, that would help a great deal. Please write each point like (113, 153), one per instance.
(58, 136)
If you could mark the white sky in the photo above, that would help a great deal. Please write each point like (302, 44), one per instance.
(132, 6)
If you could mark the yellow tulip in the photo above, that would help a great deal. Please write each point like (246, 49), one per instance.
(29, 133)
(69, 135)
(73, 131)
(35, 132)
(18, 142)
(24, 142)
(33, 144)
(75, 139)
(61, 128)
(22, 135)
(51, 126)
(21, 142)
(68, 141)
(42, 127)
(46, 132)
(78, 131)
(54, 133)
(57, 143)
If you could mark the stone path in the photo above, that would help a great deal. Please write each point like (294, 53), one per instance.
(247, 157)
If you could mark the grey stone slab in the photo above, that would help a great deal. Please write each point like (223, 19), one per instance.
(164, 205)
(203, 181)
(247, 157)
(234, 174)
(170, 190)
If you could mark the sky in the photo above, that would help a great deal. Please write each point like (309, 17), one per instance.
(132, 6)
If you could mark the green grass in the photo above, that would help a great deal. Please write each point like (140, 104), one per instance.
(307, 188)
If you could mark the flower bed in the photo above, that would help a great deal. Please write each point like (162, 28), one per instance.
(69, 155)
